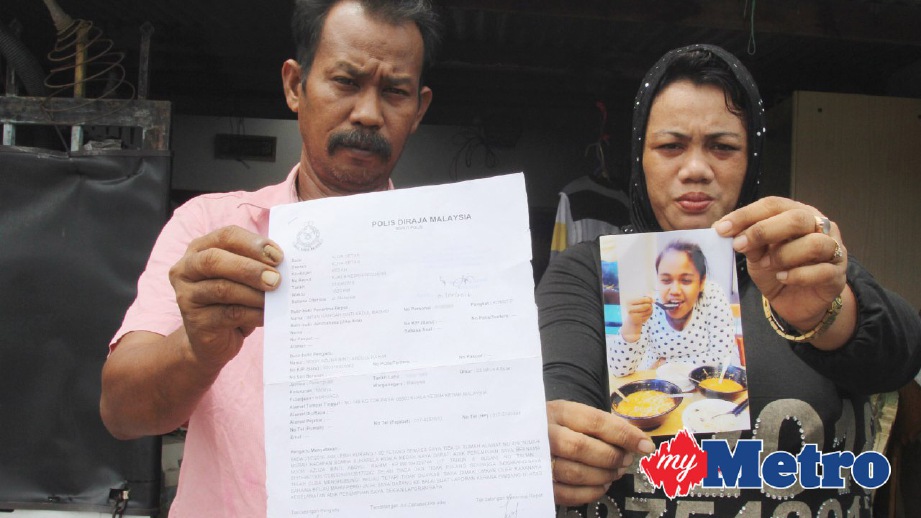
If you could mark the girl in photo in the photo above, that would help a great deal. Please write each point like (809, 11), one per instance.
(689, 320)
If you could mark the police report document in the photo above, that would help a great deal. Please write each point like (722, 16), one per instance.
(402, 364)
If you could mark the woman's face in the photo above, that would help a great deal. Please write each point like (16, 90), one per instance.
(679, 283)
(694, 156)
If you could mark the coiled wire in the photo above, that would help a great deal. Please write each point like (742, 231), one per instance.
(103, 75)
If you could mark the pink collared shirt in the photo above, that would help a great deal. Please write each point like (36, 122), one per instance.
(223, 466)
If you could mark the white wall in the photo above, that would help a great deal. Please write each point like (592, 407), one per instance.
(548, 159)
(550, 156)
(196, 169)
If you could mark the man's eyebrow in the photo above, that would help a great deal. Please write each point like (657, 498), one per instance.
(352, 70)
(349, 68)
(400, 80)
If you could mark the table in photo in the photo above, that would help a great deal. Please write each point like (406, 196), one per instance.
(674, 421)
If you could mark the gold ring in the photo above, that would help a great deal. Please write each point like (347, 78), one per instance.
(822, 224)
(839, 253)
(552, 466)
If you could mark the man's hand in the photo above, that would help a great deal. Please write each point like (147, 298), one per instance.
(590, 449)
(151, 383)
(220, 286)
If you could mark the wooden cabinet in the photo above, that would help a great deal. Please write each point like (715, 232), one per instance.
(858, 159)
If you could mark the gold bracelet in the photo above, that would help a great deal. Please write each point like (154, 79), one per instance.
(815, 332)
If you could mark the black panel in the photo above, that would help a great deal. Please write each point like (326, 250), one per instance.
(75, 232)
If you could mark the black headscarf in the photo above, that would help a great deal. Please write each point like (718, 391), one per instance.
(642, 217)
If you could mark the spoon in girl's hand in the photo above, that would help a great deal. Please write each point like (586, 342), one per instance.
(723, 368)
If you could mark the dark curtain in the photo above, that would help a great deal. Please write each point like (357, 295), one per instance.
(75, 233)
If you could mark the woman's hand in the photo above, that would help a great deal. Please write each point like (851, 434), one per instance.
(797, 259)
(590, 449)
(638, 312)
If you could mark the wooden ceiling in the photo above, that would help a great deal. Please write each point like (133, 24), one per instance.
(222, 57)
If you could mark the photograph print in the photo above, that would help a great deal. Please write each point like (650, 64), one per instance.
(675, 347)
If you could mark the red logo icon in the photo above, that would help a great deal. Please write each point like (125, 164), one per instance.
(677, 466)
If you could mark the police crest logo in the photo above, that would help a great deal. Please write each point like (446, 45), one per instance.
(308, 238)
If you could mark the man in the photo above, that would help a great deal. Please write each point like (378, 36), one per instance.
(190, 348)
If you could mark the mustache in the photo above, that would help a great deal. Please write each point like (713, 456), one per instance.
(364, 140)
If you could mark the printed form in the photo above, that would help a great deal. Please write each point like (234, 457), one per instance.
(402, 357)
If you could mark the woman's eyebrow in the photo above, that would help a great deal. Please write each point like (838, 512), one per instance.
(720, 134)
(681, 135)
(672, 133)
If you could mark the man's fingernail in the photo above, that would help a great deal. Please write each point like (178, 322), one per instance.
(272, 253)
(628, 460)
(608, 485)
(739, 243)
(646, 446)
(722, 226)
(270, 278)
(782, 276)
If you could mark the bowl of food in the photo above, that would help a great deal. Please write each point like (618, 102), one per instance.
(707, 379)
(646, 403)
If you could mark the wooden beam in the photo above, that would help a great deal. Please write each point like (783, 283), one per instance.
(887, 22)
(153, 117)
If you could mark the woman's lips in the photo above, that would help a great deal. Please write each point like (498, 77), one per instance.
(694, 202)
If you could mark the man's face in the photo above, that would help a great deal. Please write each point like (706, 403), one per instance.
(360, 102)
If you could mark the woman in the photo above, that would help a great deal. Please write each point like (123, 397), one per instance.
(687, 324)
(698, 132)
